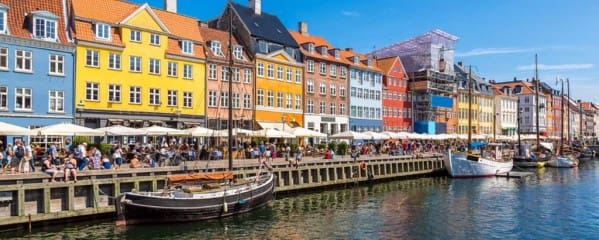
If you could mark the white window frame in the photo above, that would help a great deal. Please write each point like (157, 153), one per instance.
(187, 71)
(310, 86)
(172, 69)
(298, 76)
(114, 93)
(135, 36)
(323, 68)
(56, 98)
(4, 58)
(298, 102)
(21, 93)
(236, 75)
(280, 97)
(236, 100)
(92, 58)
(342, 91)
(337, 54)
(343, 72)
(102, 31)
(135, 95)
(323, 107)
(310, 106)
(289, 102)
(135, 64)
(342, 109)
(187, 47)
(247, 101)
(47, 25)
(289, 75)
(212, 99)
(24, 57)
(238, 52)
(260, 69)
(187, 99)
(247, 75)
(310, 67)
(280, 73)
(323, 51)
(224, 99)
(259, 97)
(333, 70)
(171, 98)
(154, 96)
(270, 71)
(212, 71)
(56, 61)
(333, 89)
(154, 39)
(332, 108)
(310, 48)
(154, 66)
(323, 89)
(215, 47)
(92, 91)
(3, 21)
(270, 100)
(224, 73)
(3, 97)
(114, 61)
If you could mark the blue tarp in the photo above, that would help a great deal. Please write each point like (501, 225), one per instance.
(441, 101)
(477, 144)
(427, 127)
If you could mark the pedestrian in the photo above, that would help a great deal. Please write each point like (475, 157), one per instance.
(19, 154)
(70, 167)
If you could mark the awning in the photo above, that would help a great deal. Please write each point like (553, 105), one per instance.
(274, 125)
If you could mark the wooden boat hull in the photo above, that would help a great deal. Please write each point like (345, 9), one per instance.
(136, 208)
(458, 165)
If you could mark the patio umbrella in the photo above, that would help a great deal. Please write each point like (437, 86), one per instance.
(12, 130)
(200, 131)
(303, 132)
(236, 132)
(376, 136)
(66, 129)
(271, 133)
(350, 135)
(119, 130)
(161, 131)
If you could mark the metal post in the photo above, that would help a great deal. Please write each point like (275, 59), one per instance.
(537, 101)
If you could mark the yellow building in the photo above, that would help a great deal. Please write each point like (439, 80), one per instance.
(137, 66)
(482, 109)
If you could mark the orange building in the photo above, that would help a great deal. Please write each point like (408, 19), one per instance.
(397, 106)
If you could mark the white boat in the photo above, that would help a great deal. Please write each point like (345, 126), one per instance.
(562, 162)
(462, 164)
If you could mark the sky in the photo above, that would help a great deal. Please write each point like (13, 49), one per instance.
(499, 39)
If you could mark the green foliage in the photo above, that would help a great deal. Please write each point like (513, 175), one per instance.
(103, 147)
(293, 147)
(332, 145)
(256, 140)
(321, 145)
(342, 148)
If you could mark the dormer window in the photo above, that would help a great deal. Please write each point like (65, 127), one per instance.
(187, 47)
(3, 17)
(369, 62)
(337, 54)
(238, 52)
(44, 25)
(102, 31)
(323, 51)
(215, 47)
(356, 60)
(310, 47)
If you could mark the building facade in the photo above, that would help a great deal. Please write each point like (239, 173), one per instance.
(36, 64)
(506, 112)
(278, 95)
(366, 86)
(527, 105)
(326, 97)
(397, 104)
(137, 66)
(218, 77)
(482, 110)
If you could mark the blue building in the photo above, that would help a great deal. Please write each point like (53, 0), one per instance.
(36, 64)
(366, 86)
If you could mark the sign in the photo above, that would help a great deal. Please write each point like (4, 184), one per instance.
(327, 119)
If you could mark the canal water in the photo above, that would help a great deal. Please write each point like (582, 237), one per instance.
(552, 204)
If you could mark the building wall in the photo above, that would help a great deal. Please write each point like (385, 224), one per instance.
(557, 116)
(463, 112)
(397, 109)
(487, 113)
(528, 117)
(373, 120)
(506, 109)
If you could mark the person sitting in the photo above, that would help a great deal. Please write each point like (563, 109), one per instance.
(70, 168)
(150, 161)
(106, 162)
(95, 159)
(134, 162)
(327, 154)
(49, 168)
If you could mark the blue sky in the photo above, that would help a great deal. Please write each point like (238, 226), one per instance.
(498, 38)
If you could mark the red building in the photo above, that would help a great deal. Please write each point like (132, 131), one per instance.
(397, 105)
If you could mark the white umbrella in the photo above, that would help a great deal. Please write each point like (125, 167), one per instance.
(12, 130)
(119, 130)
(236, 131)
(66, 129)
(392, 135)
(271, 133)
(303, 132)
(161, 131)
(375, 135)
(350, 135)
(200, 131)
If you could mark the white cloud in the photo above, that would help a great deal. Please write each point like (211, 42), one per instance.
(573, 66)
(491, 51)
(350, 13)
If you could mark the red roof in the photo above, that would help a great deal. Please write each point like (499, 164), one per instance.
(19, 12)
(210, 34)
(318, 41)
(348, 55)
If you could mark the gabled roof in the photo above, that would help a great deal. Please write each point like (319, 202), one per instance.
(524, 87)
(318, 41)
(211, 34)
(19, 11)
(264, 26)
(349, 54)
(146, 7)
(386, 65)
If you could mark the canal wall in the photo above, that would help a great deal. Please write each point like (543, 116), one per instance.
(32, 198)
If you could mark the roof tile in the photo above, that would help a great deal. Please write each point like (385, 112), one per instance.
(18, 20)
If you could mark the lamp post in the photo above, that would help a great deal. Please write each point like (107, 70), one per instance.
(80, 107)
(283, 120)
(178, 114)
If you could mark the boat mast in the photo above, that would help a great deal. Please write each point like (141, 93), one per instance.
(537, 102)
(469, 107)
(230, 96)
(568, 99)
(561, 137)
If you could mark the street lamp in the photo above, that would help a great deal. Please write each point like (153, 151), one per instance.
(80, 107)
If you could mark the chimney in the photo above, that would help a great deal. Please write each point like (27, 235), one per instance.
(257, 6)
(460, 63)
(203, 24)
(303, 28)
(170, 5)
(349, 49)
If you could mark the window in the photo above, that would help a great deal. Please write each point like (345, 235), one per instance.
(114, 61)
(360, 93)
(353, 92)
(135, 64)
(172, 69)
(23, 61)
(280, 73)
(366, 93)
(135, 95)
(238, 53)
(298, 102)
(171, 98)
(92, 58)
(3, 58)
(310, 106)
(270, 71)
(310, 86)
(212, 98)
(260, 69)
(323, 107)
(135, 36)
(271, 99)
(187, 99)
(342, 109)
(298, 76)
(310, 47)
(56, 64)
(23, 99)
(154, 96)
(224, 73)
(342, 91)
(92, 91)
(247, 75)
(187, 71)
(247, 101)
(56, 101)
(279, 99)
(215, 47)
(310, 66)
(353, 112)
(333, 89)
(289, 75)
(224, 99)
(236, 75)
(44, 29)
(154, 66)
(102, 31)
(356, 60)
(187, 47)
(236, 103)
(323, 88)
(378, 95)
(289, 101)
(114, 93)
(323, 68)
(332, 108)
(337, 55)
(2, 20)
(259, 97)
(333, 70)
(3, 97)
(369, 62)
(212, 71)
(154, 39)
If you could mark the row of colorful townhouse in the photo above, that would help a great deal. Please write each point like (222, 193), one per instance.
(70, 61)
